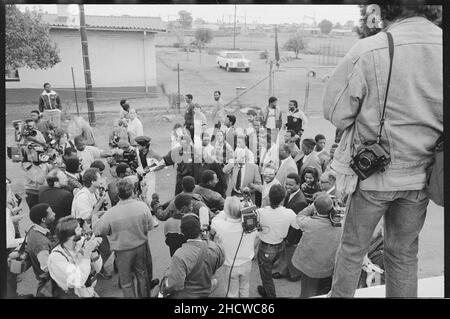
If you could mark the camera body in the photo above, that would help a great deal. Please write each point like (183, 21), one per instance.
(249, 219)
(128, 156)
(337, 216)
(370, 158)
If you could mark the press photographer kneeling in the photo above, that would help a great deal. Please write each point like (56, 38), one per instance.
(75, 262)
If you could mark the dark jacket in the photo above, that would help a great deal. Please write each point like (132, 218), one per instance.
(49, 102)
(211, 198)
(59, 199)
(297, 204)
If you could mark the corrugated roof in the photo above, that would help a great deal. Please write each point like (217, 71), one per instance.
(110, 22)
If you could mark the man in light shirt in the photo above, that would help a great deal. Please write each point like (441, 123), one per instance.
(86, 201)
(275, 222)
(88, 154)
(238, 253)
(269, 180)
(135, 127)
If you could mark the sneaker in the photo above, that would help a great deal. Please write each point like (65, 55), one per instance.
(262, 291)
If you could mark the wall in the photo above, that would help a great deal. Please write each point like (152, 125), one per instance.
(116, 59)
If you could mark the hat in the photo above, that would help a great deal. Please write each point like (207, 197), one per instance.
(143, 140)
(190, 226)
(309, 142)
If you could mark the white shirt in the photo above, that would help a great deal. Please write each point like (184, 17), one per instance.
(271, 119)
(266, 187)
(275, 224)
(135, 127)
(88, 156)
(83, 203)
(73, 270)
(230, 231)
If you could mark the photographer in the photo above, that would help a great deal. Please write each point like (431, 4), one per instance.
(238, 249)
(74, 263)
(316, 251)
(389, 140)
(35, 177)
(119, 133)
(74, 180)
(30, 134)
(86, 201)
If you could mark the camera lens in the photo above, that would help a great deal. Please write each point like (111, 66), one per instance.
(366, 160)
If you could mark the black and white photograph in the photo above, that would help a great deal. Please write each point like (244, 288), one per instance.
(230, 150)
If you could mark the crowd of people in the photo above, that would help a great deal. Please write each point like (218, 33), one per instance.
(265, 191)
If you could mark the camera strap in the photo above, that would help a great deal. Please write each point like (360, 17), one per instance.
(391, 57)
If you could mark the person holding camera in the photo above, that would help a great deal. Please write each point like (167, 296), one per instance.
(315, 254)
(73, 264)
(35, 177)
(388, 142)
(31, 134)
(174, 238)
(128, 225)
(275, 221)
(238, 249)
(40, 242)
(86, 201)
(191, 270)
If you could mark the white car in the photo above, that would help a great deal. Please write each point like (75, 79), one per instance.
(233, 60)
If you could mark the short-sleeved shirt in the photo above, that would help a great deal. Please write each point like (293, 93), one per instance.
(275, 224)
(83, 203)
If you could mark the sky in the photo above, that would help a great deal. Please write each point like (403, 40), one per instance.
(267, 14)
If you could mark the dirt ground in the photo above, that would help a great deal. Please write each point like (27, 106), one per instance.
(201, 79)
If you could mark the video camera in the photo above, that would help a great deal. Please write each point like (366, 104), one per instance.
(337, 213)
(129, 156)
(249, 219)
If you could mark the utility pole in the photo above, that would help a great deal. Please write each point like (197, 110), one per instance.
(270, 79)
(234, 32)
(179, 97)
(87, 68)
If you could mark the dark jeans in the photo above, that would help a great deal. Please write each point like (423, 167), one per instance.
(104, 249)
(136, 263)
(284, 264)
(32, 199)
(311, 287)
(267, 255)
(404, 215)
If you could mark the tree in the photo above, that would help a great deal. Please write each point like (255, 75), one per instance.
(349, 24)
(295, 44)
(325, 26)
(185, 19)
(203, 36)
(199, 21)
(338, 26)
(27, 41)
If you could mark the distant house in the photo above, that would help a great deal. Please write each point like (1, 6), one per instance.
(121, 53)
(342, 32)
